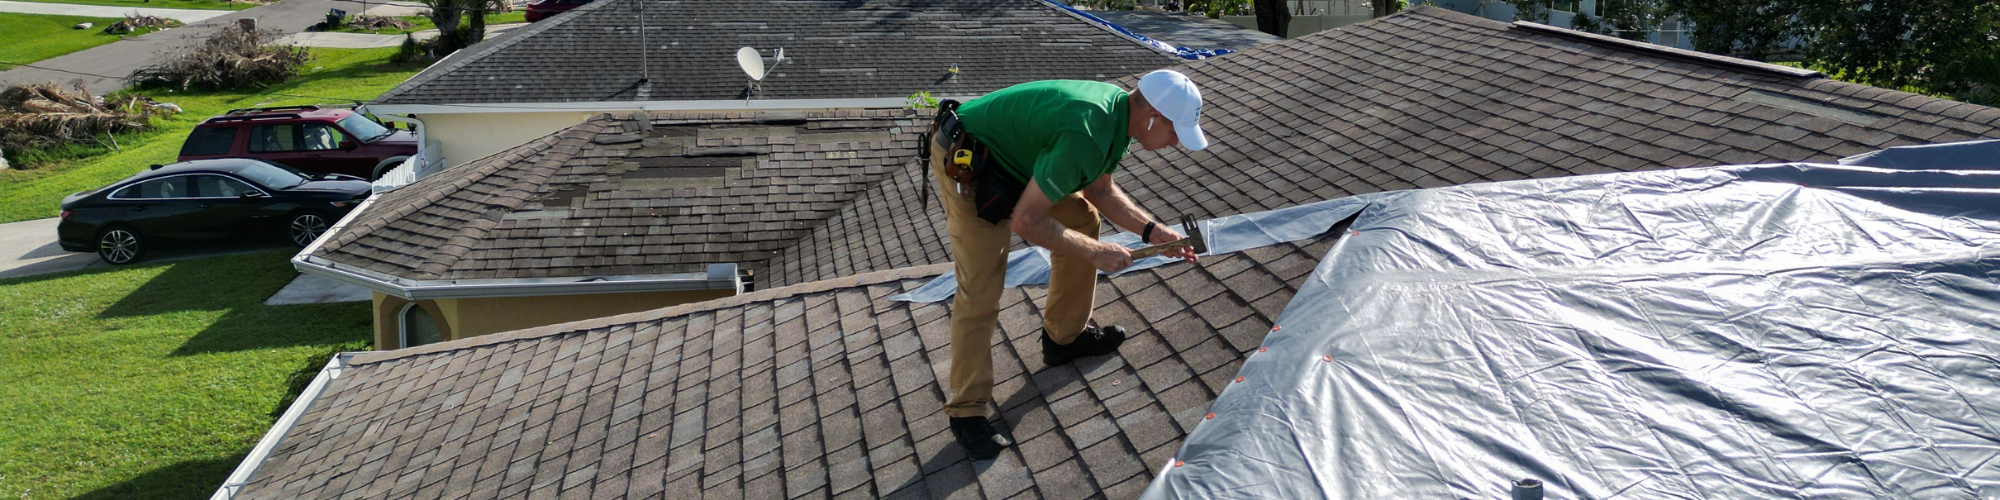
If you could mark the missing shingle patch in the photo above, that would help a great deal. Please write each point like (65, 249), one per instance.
(537, 215)
(1808, 106)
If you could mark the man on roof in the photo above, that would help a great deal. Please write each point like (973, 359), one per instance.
(1036, 159)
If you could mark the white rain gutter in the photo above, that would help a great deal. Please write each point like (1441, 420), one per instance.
(241, 477)
(717, 277)
(701, 105)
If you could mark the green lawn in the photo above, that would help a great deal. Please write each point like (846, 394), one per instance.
(334, 76)
(153, 381)
(163, 4)
(424, 23)
(26, 38)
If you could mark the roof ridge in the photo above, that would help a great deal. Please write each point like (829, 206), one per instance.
(426, 195)
(1668, 52)
(501, 42)
(551, 156)
(784, 292)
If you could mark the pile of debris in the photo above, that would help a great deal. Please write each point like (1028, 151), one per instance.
(134, 23)
(42, 115)
(231, 59)
(380, 23)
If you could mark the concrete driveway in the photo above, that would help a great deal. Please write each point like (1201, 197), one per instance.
(29, 248)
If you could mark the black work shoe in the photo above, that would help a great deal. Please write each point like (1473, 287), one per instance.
(978, 436)
(1094, 341)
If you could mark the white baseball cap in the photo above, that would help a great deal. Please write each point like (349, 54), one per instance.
(1175, 97)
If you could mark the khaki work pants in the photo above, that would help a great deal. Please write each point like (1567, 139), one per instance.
(979, 251)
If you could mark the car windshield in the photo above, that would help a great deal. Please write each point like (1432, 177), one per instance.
(272, 176)
(363, 128)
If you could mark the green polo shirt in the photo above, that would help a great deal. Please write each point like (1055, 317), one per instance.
(1062, 133)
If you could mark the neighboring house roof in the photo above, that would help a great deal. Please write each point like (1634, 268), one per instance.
(833, 49)
(1432, 98)
(1190, 31)
(814, 390)
(628, 195)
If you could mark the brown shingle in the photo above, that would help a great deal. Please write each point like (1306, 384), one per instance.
(1372, 90)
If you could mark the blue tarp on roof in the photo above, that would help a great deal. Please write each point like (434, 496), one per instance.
(1773, 331)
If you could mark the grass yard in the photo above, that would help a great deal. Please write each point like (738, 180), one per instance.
(424, 23)
(163, 4)
(26, 38)
(333, 76)
(153, 381)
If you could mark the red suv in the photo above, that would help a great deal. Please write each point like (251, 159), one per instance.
(307, 138)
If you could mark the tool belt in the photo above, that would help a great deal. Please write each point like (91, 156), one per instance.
(978, 176)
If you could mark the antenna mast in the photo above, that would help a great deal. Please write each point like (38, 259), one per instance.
(645, 63)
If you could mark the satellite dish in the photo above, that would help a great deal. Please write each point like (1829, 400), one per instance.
(752, 62)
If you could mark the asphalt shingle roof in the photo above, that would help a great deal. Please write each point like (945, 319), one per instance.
(628, 194)
(823, 389)
(811, 391)
(1432, 98)
(833, 49)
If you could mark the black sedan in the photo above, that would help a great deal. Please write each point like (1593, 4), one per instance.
(205, 200)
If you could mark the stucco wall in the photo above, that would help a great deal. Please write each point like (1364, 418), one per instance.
(463, 318)
(470, 136)
(471, 317)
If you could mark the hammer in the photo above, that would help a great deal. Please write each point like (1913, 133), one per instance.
(1193, 239)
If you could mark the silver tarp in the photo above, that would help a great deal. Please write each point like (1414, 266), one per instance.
(1771, 331)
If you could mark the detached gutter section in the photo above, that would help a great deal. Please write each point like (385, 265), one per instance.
(718, 277)
(241, 477)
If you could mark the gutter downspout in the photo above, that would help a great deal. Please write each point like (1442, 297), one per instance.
(424, 149)
(241, 477)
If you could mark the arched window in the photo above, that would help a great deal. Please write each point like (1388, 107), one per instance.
(417, 326)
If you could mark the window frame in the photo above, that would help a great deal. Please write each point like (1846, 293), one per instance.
(236, 132)
(246, 182)
(121, 189)
(297, 137)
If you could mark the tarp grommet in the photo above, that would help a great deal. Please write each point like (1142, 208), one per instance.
(1178, 463)
(1239, 378)
(1211, 416)
(1327, 358)
(1263, 349)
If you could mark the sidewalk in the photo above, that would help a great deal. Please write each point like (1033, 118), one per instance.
(337, 40)
(65, 9)
(103, 68)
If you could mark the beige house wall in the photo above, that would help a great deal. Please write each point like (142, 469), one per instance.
(464, 137)
(463, 318)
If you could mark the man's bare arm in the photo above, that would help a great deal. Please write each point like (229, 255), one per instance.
(1111, 201)
(1115, 205)
(1031, 220)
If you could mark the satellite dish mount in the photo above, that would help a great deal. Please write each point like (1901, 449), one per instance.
(752, 63)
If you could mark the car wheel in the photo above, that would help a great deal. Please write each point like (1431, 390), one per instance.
(305, 227)
(120, 246)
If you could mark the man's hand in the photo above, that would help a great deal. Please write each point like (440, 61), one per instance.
(1110, 258)
(1163, 234)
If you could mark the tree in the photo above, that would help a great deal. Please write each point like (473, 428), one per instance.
(452, 35)
(1385, 7)
(1947, 46)
(1941, 46)
(1751, 30)
(1272, 17)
